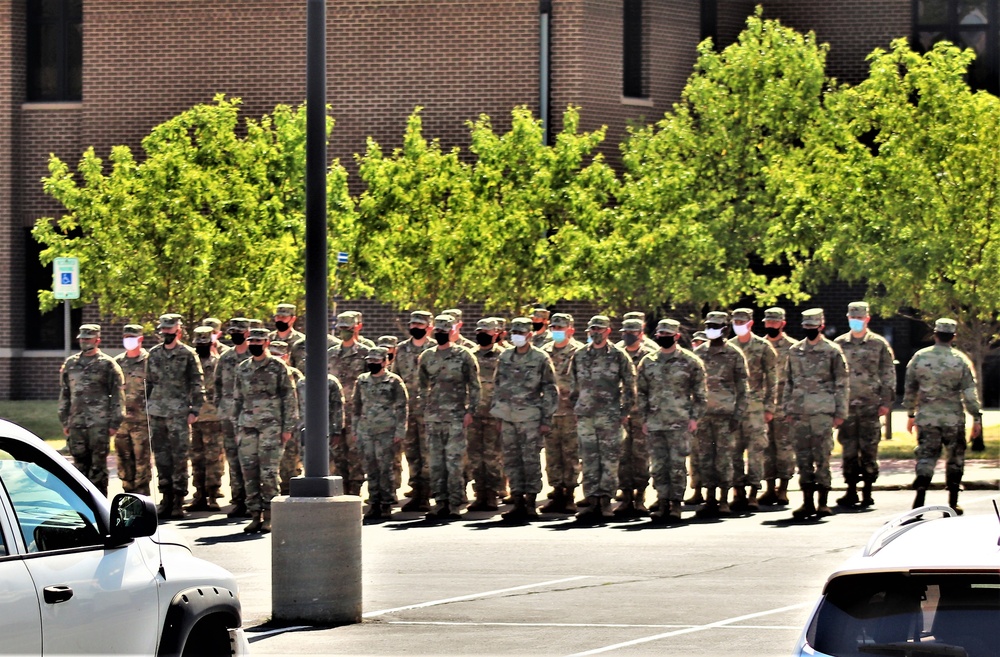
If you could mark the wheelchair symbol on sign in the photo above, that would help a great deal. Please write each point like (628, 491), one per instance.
(66, 278)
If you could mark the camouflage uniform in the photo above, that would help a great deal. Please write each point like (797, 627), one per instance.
(562, 447)
(379, 412)
(460, 339)
(218, 346)
(290, 464)
(175, 388)
(940, 388)
(779, 457)
(647, 341)
(415, 442)
(670, 393)
(91, 406)
(485, 450)
(297, 351)
(525, 397)
(284, 312)
(347, 363)
(225, 380)
(208, 452)
(633, 464)
(335, 404)
(603, 382)
(135, 461)
(449, 389)
(873, 384)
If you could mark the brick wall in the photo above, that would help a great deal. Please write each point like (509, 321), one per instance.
(12, 47)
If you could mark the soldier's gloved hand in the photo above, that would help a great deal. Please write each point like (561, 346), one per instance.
(978, 444)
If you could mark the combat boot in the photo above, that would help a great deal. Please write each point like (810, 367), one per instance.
(710, 509)
(696, 498)
(556, 503)
(808, 508)
(770, 497)
(212, 505)
(165, 505)
(739, 498)
(920, 484)
(480, 502)
(518, 513)
(590, 510)
(177, 511)
(724, 509)
(374, 512)
(419, 501)
(199, 503)
(851, 498)
(386, 510)
(569, 499)
(585, 502)
(822, 510)
(529, 506)
(265, 524)
(625, 508)
(752, 503)
(953, 500)
(674, 515)
(605, 507)
(866, 495)
(254, 526)
(782, 492)
(640, 502)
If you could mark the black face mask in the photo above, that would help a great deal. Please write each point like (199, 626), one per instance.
(390, 356)
(238, 338)
(772, 332)
(484, 339)
(441, 337)
(665, 341)
(812, 333)
(256, 349)
(168, 338)
(629, 339)
(537, 326)
(281, 326)
(418, 333)
(374, 368)
(204, 350)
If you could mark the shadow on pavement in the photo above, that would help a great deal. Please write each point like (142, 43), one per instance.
(238, 537)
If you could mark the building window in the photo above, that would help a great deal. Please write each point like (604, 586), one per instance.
(633, 68)
(968, 24)
(46, 330)
(55, 50)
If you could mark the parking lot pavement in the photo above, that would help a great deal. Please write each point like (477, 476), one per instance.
(743, 585)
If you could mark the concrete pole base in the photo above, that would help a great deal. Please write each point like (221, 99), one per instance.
(316, 560)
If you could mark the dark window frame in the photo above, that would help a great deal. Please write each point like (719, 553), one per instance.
(634, 65)
(984, 73)
(64, 19)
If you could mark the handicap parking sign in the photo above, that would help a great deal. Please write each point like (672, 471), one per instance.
(66, 278)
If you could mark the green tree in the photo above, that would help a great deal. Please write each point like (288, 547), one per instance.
(207, 222)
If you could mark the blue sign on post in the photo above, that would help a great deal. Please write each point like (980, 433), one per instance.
(66, 278)
(341, 258)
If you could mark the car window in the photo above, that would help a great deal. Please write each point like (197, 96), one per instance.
(50, 515)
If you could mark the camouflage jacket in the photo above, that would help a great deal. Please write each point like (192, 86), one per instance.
(91, 391)
(379, 405)
(816, 380)
(781, 347)
(347, 364)
(487, 359)
(290, 339)
(448, 383)
(762, 370)
(873, 374)
(225, 380)
(671, 389)
(134, 370)
(561, 358)
(603, 381)
(406, 366)
(726, 375)
(541, 339)
(941, 387)
(297, 351)
(336, 403)
(264, 395)
(175, 385)
(209, 411)
(640, 353)
(525, 387)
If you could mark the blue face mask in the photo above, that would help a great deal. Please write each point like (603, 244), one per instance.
(558, 336)
(856, 324)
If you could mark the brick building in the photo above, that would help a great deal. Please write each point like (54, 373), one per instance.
(79, 73)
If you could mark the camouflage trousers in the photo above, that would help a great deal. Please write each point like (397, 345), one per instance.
(290, 464)
(208, 459)
(446, 451)
(236, 489)
(522, 448)
(379, 456)
(693, 465)
(135, 464)
(669, 449)
(260, 451)
(345, 458)
(813, 436)
(633, 463)
(930, 442)
(415, 450)
(562, 452)
(716, 440)
(750, 439)
(171, 439)
(600, 447)
(89, 447)
(859, 436)
(485, 454)
(779, 455)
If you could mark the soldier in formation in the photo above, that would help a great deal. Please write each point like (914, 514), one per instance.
(779, 456)
(225, 381)
(135, 464)
(208, 452)
(415, 442)
(485, 451)
(562, 447)
(290, 464)
(347, 361)
(633, 464)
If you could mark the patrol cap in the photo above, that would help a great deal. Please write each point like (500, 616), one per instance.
(774, 314)
(632, 324)
(635, 314)
(347, 320)
(812, 318)
(717, 317)
(258, 334)
(214, 322)
(132, 330)
(540, 313)
(943, 325)
(454, 312)
(501, 323)
(89, 331)
(202, 335)
(239, 324)
(743, 315)
(486, 324)
(420, 317)
(444, 322)
(284, 310)
(561, 320)
(387, 341)
(699, 335)
(857, 309)
(169, 321)
(521, 325)
(668, 326)
(256, 323)
(599, 321)
(279, 347)
(377, 353)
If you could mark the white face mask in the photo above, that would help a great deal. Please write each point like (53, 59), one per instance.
(713, 334)
(518, 339)
(130, 343)
(741, 329)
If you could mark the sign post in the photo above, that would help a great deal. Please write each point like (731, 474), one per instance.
(66, 286)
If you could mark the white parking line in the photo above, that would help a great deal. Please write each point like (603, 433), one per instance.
(473, 596)
(593, 625)
(688, 630)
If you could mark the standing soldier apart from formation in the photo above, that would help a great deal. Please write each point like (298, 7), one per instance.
(483, 435)
(290, 464)
(751, 436)
(940, 390)
(672, 395)
(524, 399)
(633, 464)
(91, 405)
(541, 335)
(603, 381)
(208, 452)
(415, 443)
(814, 402)
(873, 390)
(135, 465)
(225, 380)
(449, 391)
(346, 361)
(379, 410)
(267, 412)
(457, 336)
(728, 399)
(218, 347)
(779, 457)
(562, 447)
(175, 393)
